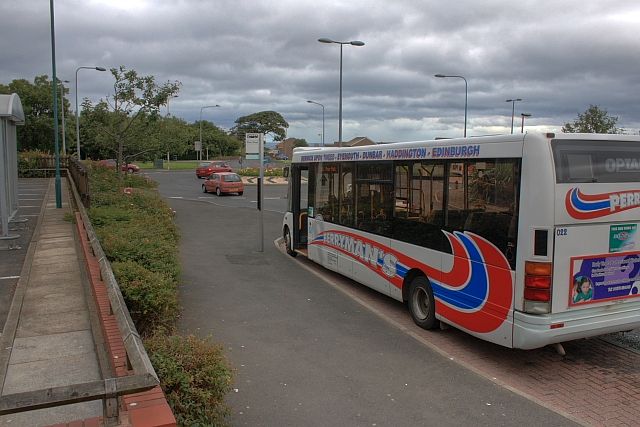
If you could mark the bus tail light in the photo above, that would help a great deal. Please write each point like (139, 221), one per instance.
(537, 287)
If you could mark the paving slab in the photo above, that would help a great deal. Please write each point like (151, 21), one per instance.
(53, 323)
(51, 338)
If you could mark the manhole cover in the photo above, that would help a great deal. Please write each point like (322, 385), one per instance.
(247, 259)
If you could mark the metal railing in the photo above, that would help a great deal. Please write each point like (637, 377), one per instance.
(144, 376)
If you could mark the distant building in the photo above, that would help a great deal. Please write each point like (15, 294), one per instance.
(285, 147)
(358, 141)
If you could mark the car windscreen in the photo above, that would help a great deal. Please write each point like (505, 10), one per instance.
(204, 165)
(231, 178)
(596, 161)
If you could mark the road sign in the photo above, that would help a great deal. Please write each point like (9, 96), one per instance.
(253, 142)
(197, 145)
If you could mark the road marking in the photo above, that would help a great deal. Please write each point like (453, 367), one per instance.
(9, 277)
(175, 197)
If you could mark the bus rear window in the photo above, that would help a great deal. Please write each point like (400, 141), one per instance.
(596, 161)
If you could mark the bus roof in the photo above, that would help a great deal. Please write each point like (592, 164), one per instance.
(496, 146)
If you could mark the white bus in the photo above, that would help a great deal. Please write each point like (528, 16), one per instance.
(523, 240)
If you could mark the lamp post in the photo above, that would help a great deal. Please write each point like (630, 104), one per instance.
(78, 110)
(202, 108)
(64, 139)
(317, 103)
(168, 99)
(513, 109)
(352, 43)
(466, 91)
(523, 115)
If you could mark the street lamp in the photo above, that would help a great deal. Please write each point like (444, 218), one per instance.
(317, 103)
(202, 108)
(466, 91)
(513, 109)
(523, 115)
(77, 110)
(168, 99)
(352, 43)
(64, 139)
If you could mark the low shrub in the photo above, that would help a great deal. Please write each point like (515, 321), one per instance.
(150, 296)
(256, 172)
(195, 378)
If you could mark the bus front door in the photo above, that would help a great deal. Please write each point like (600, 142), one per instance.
(300, 206)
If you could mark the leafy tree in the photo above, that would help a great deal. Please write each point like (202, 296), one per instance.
(217, 141)
(593, 120)
(37, 103)
(267, 122)
(300, 142)
(122, 124)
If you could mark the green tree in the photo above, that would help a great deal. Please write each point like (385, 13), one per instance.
(593, 120)
(217, 141)
(267, 122)
(300, 142)
(122, 124)
(37, 103)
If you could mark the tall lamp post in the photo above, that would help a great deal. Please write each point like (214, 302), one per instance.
(168, 99)
(352, 43)
(513, 109)
(202, 108)
(523, 115)
(317, 103)
(78, 110)
(466, 92)
(64, 139)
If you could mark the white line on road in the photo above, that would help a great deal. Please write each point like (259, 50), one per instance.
(9, 277)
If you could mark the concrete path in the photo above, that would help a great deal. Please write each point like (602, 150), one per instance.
(47, 338)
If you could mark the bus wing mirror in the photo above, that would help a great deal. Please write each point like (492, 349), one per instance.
(285, 171)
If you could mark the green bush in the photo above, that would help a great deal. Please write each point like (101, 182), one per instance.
(150, 296)
(137, 232)
(195, 378)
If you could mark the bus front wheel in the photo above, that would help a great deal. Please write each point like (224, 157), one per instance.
(422, 306)
(287, 242)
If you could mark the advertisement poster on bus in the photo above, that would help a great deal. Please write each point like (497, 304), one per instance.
(622, 237)
(604, 277)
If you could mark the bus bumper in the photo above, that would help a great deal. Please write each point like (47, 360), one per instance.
(534, 331)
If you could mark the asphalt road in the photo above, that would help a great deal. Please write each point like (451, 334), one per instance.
(304, 352)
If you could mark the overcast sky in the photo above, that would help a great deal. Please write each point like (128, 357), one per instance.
(254, 55)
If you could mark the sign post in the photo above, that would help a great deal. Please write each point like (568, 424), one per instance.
(254, 149)
(197, 145)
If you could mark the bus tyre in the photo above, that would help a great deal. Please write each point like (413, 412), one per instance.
(422, 306)
(218, 192)
(287, 243)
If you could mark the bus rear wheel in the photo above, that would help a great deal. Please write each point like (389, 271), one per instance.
(287, 242)
(422, 306)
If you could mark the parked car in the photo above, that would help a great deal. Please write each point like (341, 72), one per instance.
(223, 183)
(281, 156)
(127, 167)
(205, 169)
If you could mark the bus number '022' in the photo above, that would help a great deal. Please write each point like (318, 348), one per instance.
(561, 232)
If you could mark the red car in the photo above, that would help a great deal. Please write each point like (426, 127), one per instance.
(126, 167)
(223, 183)
(207, 168)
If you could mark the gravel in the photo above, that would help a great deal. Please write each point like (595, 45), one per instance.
(629, 340)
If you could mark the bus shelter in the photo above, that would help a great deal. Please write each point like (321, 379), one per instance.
(11, 115)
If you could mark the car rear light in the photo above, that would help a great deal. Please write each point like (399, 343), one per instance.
(537, 286)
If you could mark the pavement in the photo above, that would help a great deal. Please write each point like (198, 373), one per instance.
(47, 339)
